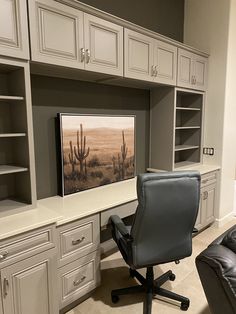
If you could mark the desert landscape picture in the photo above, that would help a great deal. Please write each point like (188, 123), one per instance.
(96, 150)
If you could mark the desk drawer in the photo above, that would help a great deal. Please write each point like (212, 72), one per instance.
(208, 178)
(23, 246)
(78, 238)
(78, 278)
(122, 211)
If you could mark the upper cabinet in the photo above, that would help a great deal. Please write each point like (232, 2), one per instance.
(64, 36)
(149, 59)
(13, 29)
(192, 70)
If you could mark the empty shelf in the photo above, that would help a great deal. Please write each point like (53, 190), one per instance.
(12, 134)
(3, 98)
(5, 169)
(188, 108)
(187, 127)
(9, 204)
(185, 147)
(184, 164)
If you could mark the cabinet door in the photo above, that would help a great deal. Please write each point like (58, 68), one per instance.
(210, 198)
(56, 32)
(165, 61)
(13, 29)
(103, 46)
(185, 68)
(198, 223)
(1, 306)
(30, 286)
(138, 56)
(200, 72)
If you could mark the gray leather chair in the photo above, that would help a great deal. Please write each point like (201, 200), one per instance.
(161, 231)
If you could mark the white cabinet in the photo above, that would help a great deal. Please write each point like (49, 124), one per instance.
(65, 36)
(149, 59)
(13, 29)
(29, 286)
(192, 70)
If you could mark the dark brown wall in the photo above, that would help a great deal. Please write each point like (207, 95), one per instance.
(163, 16)
(54, 95)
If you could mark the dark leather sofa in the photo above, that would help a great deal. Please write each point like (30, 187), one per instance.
(217, 271)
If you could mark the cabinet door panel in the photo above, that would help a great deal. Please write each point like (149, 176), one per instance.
(185, 64)
(56, 34)
(211, 194)
(165, 58)
(13, 29)
(200, 72)
(30, 286)
(104, 46)
(138, 56)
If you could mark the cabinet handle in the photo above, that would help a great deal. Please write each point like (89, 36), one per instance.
(3, 255)
(82, 54)
(78, 241)
(205, 195)
(5, 287)
(88, 56)
(156, 72)
(153, 70)
(78, 282)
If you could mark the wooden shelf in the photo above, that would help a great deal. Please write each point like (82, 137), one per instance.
(3, 135)
(187, 127)
(184, 164)
(6, 169)
(188, 108)
(185, 147)
(4, 98)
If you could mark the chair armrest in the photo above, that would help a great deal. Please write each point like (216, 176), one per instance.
(120, 226)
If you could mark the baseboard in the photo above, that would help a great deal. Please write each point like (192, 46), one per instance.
(222, 221)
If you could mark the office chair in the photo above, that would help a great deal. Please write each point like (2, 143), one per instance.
(161, 231)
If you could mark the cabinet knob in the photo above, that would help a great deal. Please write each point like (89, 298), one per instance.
(88, 56)
(78, 282)
(3, 255)
(78, 241)
(82, 54)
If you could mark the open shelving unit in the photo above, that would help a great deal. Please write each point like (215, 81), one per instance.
(17, 174)
(176, 128)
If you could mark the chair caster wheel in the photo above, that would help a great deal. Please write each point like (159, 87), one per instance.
(131, 273)
(172, 277)
(115, 298)
(184, 306)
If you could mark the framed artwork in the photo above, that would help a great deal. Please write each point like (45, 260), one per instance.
(96, 150)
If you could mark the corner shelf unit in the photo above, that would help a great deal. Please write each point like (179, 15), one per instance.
(176, 128)
(17, 174)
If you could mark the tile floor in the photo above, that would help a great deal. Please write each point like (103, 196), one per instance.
(114, 275)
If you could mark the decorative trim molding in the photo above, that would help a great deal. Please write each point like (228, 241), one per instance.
(222, 221)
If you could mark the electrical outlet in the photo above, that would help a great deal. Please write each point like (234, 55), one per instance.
(208, 151)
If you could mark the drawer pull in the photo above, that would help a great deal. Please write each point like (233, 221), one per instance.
(5, 287)
(75, 242)
(78, 282)
(3, 255)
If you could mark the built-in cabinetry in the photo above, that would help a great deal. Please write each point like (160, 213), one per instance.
(65, 36)
(28, 273)
(17, 177)
(192, 70)
(78, 258)
(149, 59)
(14, 29)
(176, 128)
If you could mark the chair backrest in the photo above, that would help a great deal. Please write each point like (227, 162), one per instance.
(167, 209)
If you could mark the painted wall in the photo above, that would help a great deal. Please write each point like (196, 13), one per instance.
(53, 95)
(209, 26)
(163, 16)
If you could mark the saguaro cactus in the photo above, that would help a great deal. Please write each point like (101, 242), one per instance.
(124, 150)
(72, 158)
(81, 153)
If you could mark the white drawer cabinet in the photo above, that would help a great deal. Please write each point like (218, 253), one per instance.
(206, 214)
(149, 59)
(65, 36)
(192, 70)
(13, 29)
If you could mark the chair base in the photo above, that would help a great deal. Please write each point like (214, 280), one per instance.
(151, 287)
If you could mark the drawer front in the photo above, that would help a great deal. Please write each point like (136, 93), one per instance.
(20, 247)
(209, 178)
(78, 278)
(122, 211)
(78, 239)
